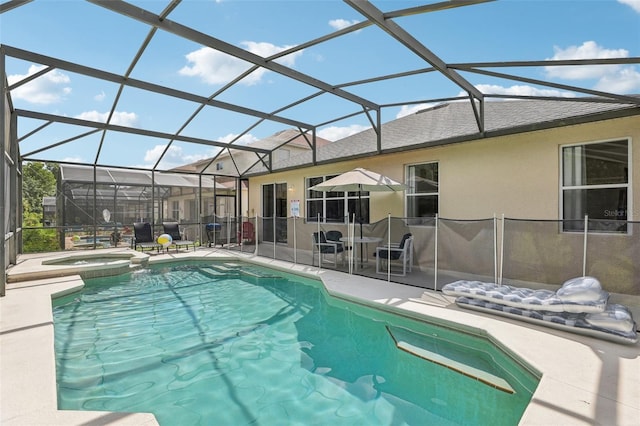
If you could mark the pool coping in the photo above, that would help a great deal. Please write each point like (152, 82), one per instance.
(38, 266)
(584, 380)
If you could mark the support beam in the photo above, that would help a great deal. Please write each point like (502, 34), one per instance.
(143, 85)
(372, 13)
(188, 33)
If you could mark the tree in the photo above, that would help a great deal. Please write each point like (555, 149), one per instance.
(38, 181)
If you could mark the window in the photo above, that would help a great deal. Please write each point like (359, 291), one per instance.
(422, 191)
(335, 207)
(595, 182)
(175, 210)
(219, 165)
(192, 213)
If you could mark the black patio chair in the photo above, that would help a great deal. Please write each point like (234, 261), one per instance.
(143, 237)
(173, 229)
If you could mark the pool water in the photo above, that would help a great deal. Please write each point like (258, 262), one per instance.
(235, 344)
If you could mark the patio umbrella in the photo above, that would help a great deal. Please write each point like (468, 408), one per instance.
(359, 180)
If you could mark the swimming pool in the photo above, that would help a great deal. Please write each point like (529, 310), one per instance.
(230, 343)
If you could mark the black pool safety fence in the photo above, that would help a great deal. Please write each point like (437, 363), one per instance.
(426, 252)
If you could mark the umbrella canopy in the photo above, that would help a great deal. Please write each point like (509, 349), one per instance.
(359, 180)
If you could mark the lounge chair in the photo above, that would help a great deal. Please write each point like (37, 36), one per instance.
(173, 229)
(402, 252)
(324, 247)
(143, 237)
(579, 306)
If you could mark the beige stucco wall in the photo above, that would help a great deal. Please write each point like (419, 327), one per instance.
(517, 176)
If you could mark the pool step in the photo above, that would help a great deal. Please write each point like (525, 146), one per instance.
(218, 270)
(247, 270)
(420, 345)
(212, 273)
(260, 274)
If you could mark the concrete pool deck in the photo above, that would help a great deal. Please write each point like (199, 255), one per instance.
(585, 381)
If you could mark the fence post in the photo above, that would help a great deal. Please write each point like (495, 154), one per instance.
(239, 232)
(389, 248)
(501, 251)
(295, 245)
(584, 249)
(315, 244)
(495, 248)
(255, 250)
(351, 232)
(435, 261)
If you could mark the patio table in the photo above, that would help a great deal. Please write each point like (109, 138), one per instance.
(360, 241)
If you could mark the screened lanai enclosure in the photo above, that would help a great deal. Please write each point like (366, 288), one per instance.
(161, 111)
(102, 215)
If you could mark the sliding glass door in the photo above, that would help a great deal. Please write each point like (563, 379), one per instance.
(274, 212)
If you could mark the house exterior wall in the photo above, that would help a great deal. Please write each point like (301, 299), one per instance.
(516, 175)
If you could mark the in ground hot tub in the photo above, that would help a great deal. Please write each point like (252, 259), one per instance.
(87, 265)
(89, 259)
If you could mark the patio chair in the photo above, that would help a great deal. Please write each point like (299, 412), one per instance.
(173, 229)
(334, 236)
(246, 233)
(143, 237)
(326, 247)
(402, 252)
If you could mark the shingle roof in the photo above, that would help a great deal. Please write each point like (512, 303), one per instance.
(454, 122)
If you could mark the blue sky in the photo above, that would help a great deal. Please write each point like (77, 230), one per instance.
(90, 35)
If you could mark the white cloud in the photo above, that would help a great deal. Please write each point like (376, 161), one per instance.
(339, 24)
(335, 133)
(519, 90)
(626, 80)
(245, 139)
(634, 4)
(129, 119)
(411, 109)
(174, 157)
(214, 67)
(49, 88)
(611, 78)
(588, 50)
(73, 159)
(100, 96)
(267, 49)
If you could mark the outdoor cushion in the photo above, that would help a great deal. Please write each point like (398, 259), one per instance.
(526, 298)
(580, 289)
(615, 323)
(396, 252)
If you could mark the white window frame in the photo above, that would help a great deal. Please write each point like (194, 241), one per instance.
(627, 186)
(407, 193)
(175, 210)
(324, 199)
